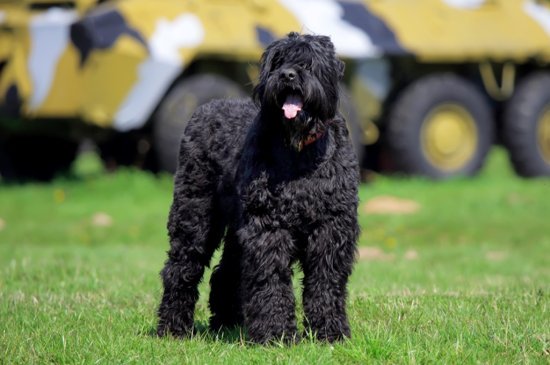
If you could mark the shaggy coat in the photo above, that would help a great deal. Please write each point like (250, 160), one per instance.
(276, 181)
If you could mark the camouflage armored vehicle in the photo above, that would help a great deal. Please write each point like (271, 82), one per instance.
(433, 83)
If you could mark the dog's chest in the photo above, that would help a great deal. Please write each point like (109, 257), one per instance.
(289, 204)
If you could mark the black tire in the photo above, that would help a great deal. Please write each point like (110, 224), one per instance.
(178, 106)
(440, 105)
(35, 158)
(127, 149)
(526, 126)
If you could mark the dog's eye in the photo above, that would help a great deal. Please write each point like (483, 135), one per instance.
(306, 66)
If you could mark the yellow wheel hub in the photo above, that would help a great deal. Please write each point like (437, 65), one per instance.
(449, 137)
(543, 135)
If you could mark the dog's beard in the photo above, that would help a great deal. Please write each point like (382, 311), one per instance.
(300, 107)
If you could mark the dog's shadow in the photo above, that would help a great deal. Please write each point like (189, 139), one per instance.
(201, 330)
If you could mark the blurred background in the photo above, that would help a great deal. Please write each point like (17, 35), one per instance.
(430, 85)
(448, 107)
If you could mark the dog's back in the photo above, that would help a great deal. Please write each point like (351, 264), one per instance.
(217, 130)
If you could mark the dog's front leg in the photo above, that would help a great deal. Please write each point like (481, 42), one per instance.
(327, 264)
(268, 298)
(195, 228)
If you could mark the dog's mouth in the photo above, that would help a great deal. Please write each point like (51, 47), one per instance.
(292, 106)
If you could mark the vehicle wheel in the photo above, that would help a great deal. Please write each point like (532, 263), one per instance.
(440, 126)
(127, 149)
(351, 115)
(526, 126)
(176, 110)
(39, 158)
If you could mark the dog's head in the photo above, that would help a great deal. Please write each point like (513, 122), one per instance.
(298, 85)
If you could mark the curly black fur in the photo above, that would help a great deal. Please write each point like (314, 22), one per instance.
(277, 191)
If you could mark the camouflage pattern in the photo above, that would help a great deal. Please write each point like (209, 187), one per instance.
(110, 65)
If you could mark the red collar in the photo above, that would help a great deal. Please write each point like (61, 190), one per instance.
(314, 136)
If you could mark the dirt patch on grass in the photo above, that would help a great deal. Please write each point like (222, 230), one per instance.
(374, 254)
(101, 219)
(386, 204)
(411, 255)
(496, 256)
(371, 253)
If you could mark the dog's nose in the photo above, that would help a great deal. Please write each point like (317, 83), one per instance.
(289, 74)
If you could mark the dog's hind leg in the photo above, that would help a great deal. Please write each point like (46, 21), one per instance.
(327, 265)
(225, 299)
(195, 228)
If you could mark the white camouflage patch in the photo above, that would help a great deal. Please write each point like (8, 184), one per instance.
(158, 71)
(325, 17)
(540, 13)
(465, 4)
(49, 34)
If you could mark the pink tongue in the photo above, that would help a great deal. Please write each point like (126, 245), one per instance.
(293, 104)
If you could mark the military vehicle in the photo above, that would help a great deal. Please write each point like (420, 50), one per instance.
(432, 83)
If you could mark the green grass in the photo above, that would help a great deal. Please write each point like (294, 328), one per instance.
(475, 290)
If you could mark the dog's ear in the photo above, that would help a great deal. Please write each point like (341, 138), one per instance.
(329, 48)
(266, 62)
(258, 91)
(340, 67)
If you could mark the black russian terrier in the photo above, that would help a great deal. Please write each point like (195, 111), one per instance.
(276, 180)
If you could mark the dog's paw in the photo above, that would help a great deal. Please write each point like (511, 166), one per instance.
(218, 322)
(164, 330)
(332, 337)
(270, 338)
(329, 334)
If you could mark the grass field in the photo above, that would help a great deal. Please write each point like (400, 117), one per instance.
(463, 279)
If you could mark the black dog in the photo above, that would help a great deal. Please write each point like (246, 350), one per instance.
(277, 181)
